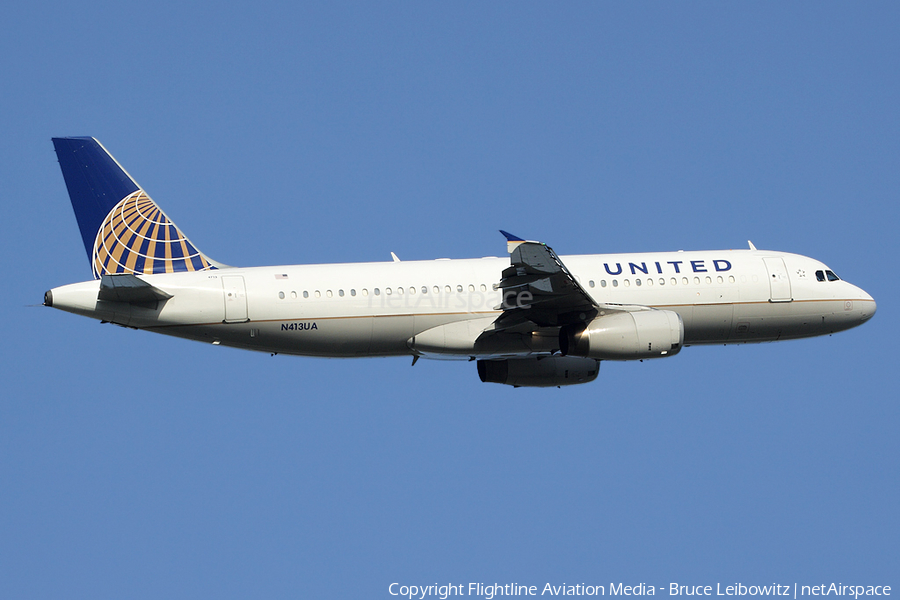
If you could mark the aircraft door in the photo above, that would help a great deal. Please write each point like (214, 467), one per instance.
(779, 281)
(235, 299)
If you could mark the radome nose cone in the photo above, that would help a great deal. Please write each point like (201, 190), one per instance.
(869, 305)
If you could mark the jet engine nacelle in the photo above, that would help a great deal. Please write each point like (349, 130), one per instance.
(625, 336)
(547, 371)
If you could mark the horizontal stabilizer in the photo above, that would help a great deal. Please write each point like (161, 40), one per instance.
(128, 288)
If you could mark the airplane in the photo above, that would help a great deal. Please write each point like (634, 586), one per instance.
(530, 319)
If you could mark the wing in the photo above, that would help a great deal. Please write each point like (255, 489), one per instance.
(538, 290)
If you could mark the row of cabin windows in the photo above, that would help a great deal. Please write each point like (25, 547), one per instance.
(471, 287)
(661, 281)
(387, 291)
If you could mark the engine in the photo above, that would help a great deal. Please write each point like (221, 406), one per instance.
(547, 371)
(625, 336)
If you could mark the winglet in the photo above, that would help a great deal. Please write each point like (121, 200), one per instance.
(512, 241)
(752, 247)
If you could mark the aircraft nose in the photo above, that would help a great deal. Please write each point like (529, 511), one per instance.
(867, 305)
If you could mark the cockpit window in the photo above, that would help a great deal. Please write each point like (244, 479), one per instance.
(820, 275)
(831, 276)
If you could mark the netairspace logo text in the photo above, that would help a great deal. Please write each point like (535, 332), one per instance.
(489, 591)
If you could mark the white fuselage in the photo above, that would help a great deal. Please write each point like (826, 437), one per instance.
(379, 309)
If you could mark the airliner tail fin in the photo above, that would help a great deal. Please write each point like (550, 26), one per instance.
(123, 230)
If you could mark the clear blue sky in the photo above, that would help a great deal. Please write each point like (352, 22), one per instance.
(139, 466)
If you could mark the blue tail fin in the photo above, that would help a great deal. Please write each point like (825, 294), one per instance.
(123, 230)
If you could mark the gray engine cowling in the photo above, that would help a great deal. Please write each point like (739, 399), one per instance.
(547, 371)
(625, 336)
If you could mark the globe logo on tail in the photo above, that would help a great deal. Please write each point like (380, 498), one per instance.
(136, 237)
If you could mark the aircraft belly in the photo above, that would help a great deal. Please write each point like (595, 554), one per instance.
(337, 337)
(770, 321)
(323, 337)
(710, 323)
